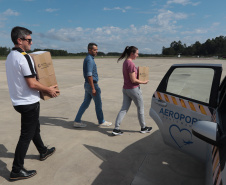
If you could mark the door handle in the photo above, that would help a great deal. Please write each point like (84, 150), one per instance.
(161, 103)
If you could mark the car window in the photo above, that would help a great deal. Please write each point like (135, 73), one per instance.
(194, 83)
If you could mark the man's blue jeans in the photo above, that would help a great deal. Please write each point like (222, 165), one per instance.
(87, 99)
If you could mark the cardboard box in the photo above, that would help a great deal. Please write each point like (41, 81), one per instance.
(45, 70)
(143, 73)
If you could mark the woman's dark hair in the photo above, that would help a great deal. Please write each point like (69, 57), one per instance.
(128, 50)
(19, 32)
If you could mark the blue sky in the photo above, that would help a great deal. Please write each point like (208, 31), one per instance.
(113, 24)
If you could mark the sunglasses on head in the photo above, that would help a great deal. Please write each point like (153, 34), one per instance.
(28, 40)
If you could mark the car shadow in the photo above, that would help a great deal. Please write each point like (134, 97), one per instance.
(147, 162)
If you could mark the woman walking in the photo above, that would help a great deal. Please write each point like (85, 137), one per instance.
(131, 90)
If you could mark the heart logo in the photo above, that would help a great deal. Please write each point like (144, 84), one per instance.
(181, 137)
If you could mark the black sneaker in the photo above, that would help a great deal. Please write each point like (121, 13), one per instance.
(47, 154)
(22, 174)
(145, 130)
(117, 132)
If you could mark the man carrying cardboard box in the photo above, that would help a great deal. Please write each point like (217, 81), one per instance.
(24, 93)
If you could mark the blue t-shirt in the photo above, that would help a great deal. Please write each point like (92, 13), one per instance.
(90, 68)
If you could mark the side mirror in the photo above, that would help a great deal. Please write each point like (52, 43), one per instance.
(206, 131)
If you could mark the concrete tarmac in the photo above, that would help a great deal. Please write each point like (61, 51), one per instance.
(91, 155)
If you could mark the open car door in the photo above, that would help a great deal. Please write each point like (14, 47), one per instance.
(188, 93)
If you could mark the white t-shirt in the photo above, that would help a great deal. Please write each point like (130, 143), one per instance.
(17, 69)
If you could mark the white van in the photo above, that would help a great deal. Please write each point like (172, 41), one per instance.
(189, 107)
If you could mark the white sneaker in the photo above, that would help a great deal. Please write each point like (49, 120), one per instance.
(79, 125)
(105, 124)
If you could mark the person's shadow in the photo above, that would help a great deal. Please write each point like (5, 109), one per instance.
(62, 122)
(4, 172)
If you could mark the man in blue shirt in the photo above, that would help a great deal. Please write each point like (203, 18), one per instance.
(92, 90)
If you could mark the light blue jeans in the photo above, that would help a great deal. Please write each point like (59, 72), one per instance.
(130, 95)
(87, 99)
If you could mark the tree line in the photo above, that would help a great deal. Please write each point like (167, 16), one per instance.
(4, 51)
(213, 47)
